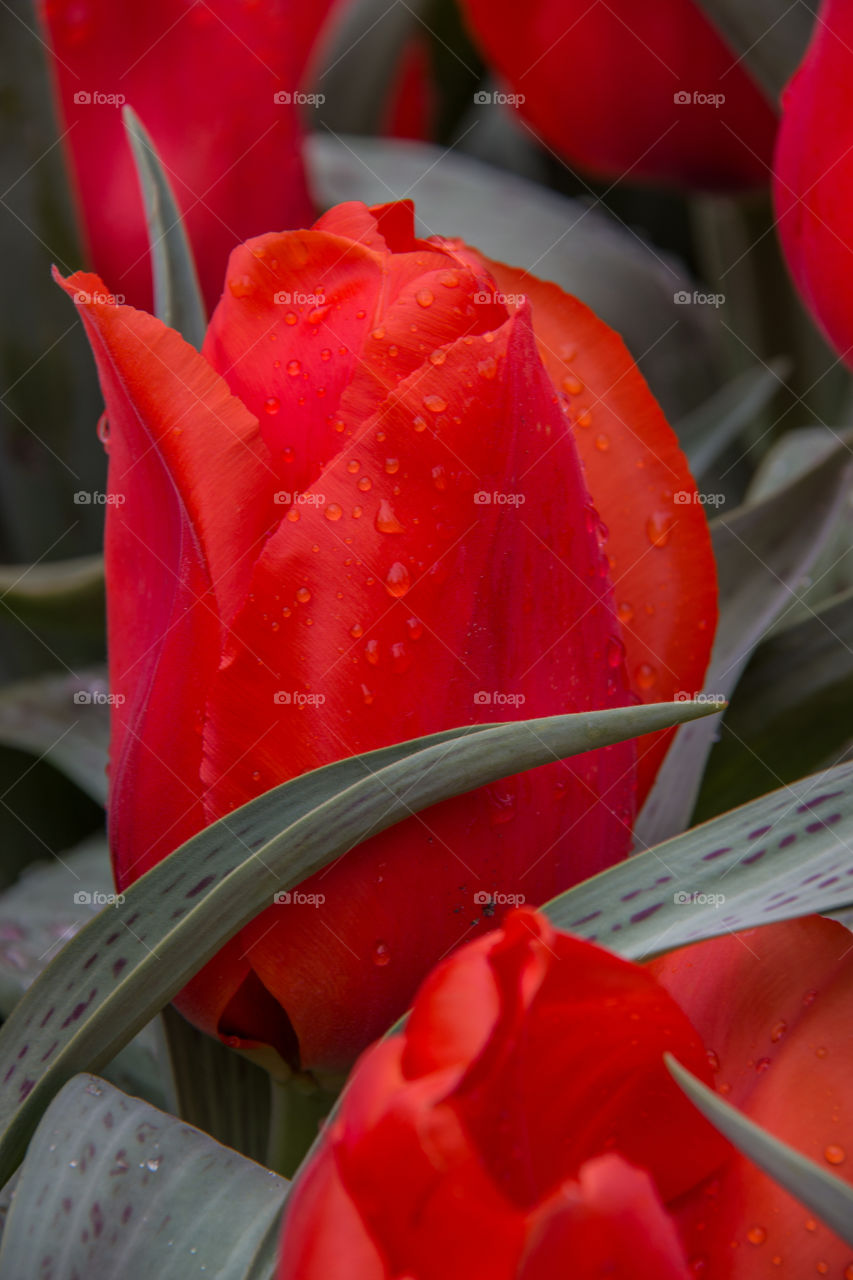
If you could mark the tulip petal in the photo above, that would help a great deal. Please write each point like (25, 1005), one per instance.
(784, 1043)
(625, 90)
(177, 560)
(204, 83)
(610, 1223)
(658, 544)
(399, 581)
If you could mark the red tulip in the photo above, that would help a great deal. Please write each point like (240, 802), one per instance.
(631, 91)
(203, 79)
(813, 180)
(523, 1126)
(358, 517)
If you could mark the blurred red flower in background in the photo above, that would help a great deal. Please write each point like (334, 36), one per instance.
(523, 1125)
(357, 517)
(813, 180)
(214, 85)
(631, 91)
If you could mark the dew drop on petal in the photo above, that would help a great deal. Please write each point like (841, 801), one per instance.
(386, 521)
(645, 675)
(365, 484)
(287, 454)
(425, 297)
(419, 424)
(602, 443)
(615, 652)
(438, 356)
(356, 630)
(353, 466)
(290, 317)
(398, 581)
(625, 613)
(103, 429)
(367, 695)
(303, 595)
(778, 1031)
(572, 385)
(584, 419)
(381, 954)
(400, 658)
(294, 368)
(659, 526)
(292, 515)
(756, 1235)
(435, 404)
(333, 511)
(834, 1154)
(415, 628)
(371, 652)
(271, 405)
(392, 466)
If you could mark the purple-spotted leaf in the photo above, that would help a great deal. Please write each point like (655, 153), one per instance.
(786, 854)
(120, 970)
(113, 1187)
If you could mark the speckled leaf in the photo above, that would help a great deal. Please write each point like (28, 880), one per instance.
(112, 1187)
(627, 281)
(44, 909)
(63, 719)
(762, 555)
(177, 293)
(786, 854)
(115, 974)
(827, 1197)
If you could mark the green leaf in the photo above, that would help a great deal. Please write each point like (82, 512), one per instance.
(829, 1198)
(113, 1187)
(626, 281)
(707, 431)
(786, 854)
(44, 909)
(793, 712)
(64, 720)
(762, 556)
(56, 593)
(132, 959)
(768, 36)
(177, 294)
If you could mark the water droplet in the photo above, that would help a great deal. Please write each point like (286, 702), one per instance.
(287, 454)
(333, 511)
(241, 286)
(378, 334)
(393, 351)
(303, 595)
(367, 695)
(398, 581)
(316, 315)
(365, 484)
(439, 478)
(371, 652)
(356, 630)
(449, 279)
(153, 1164)
(602, 443)
(713, 1060)
(778, 1031)
(625, 613)
(487, 368)
(584, 419)
(392, 466)
(435, 404)
(763, 1064)
(256, 775)
(572, 385)
(658, 528)
(357, 513)
(425, 297)
(834, 1154)
(103, 429)
(325, 354)
(386, 521)
(381, 954)
(645, 675)
(756, 1235)
(615, 652)
(294, 368)
(810, 1224)
(290, 317)
(400, 658)
(353, 466)
(339, 425)
(292, 515)
(419, 424)
(271, 405)
(438, 356)
(415, 628)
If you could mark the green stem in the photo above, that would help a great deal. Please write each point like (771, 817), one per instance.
(298, 1106)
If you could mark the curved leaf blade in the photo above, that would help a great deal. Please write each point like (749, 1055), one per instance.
(827, 1197)
(113, 1187)
(177, 293)
(131, 960)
